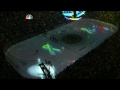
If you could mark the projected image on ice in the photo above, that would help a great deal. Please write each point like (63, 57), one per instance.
(51, 50)
(88, 30)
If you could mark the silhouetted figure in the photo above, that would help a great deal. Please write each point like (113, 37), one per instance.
(46, 61)
(57, 40)
(49, 63)
(53, 39)
(36, 51)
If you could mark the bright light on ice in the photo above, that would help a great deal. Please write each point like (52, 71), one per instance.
(39, 61)
(37, 72)
(52, 70)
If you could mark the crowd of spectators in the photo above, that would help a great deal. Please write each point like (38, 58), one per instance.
(102, 62)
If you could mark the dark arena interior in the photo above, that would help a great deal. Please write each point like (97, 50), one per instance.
(102, 62)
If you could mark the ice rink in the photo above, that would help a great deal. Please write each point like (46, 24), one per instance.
(24, 58)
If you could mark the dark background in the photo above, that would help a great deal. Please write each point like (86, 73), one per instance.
(103, 62)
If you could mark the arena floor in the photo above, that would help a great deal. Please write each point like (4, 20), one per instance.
(24, 58)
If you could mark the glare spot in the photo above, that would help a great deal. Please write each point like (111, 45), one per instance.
(37, 72)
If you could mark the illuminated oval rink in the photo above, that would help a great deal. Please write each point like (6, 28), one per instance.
(26, 57)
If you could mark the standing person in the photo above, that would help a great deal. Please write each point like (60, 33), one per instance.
(36, 52)
(55, 39)
(49, 63)
(46, 61)
(51, 37)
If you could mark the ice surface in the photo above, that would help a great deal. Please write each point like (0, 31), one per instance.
(23, 56)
